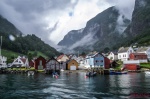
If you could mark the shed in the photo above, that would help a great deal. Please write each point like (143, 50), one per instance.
(72, 64)
(40, 63)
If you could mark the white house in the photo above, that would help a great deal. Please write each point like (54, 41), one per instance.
(73, 57)
(81, 60)
(145, 50)
(124, 52)
(113, 56)
(3, 62)
(21, 62)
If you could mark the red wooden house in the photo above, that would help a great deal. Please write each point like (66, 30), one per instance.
(40, 63)
(138, 56)
(107, 63)
(31, 63)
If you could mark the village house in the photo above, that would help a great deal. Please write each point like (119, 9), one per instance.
(81, 60)
(145, 50)
(72, 64)
(113, 56)
(124, 52)
(52, 64)
(40, 63)
(20, 62)
(31, 63)
(73, 56)
(62, 58)
(3, 60)
(97, 60)
(134, 61)
(138, 56)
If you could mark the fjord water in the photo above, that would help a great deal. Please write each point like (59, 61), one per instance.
(72, 86)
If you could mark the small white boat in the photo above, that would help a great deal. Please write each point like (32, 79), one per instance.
(61, 70)
(147, 72)
(30, 73)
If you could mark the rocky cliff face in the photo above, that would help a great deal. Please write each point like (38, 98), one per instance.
(140, 18)
(7, 27)
(138, 30)
(104, 30)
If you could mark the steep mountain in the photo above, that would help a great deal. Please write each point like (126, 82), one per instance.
(102, 31)
(7, 27)
(71, 38)
(139, 29)
(14, 40)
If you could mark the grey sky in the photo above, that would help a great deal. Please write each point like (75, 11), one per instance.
(52, 19)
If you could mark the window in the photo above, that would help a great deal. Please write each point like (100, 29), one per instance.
(101, 61)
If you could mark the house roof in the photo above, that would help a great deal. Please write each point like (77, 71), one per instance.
(23, 60)
(52, 58)
(70, 60)
(141, 49)
(114, 52)
(123, 49)
(59, 57)
(138, 53)
(92, 53)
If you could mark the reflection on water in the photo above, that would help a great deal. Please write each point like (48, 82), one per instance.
(73, 85)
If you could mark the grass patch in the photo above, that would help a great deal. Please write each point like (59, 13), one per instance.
(10, 54)
(38, 54)
(145, 65)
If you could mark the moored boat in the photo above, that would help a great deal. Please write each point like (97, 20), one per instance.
(117, 73)
(147, 72)
(91, 74)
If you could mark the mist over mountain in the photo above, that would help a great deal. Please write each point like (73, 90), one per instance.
(102, 31)
(14, 40)
(111, 29)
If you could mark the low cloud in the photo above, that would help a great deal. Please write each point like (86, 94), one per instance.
(51, 20)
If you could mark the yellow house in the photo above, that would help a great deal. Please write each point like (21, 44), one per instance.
(72, 65)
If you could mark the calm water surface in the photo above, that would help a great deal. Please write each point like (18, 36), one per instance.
(73, 86)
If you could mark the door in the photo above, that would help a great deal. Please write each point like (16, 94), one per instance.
(72, 67)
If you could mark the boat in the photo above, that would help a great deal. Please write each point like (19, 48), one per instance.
(117, 73)
(55, 74)
(30, 73)
(147, 72)
(91, 74)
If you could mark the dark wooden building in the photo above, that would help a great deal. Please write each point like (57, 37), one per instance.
(40, 63)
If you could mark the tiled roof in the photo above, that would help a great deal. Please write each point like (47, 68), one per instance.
(141, 49)
(60, 57)
(123, 49)
(23, 60)
(138, 53)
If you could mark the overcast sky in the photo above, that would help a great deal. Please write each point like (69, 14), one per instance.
(51, 20)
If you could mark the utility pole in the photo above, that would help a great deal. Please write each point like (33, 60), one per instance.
(1, 47)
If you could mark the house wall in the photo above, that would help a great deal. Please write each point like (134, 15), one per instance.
(137, 57)
(72, 62)
(111, 56)
(53, 65)
(3, 62)
(107, 63)
(63, 59)
(131, 66)
(98, 60)
(123, 56)
(37, 62)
